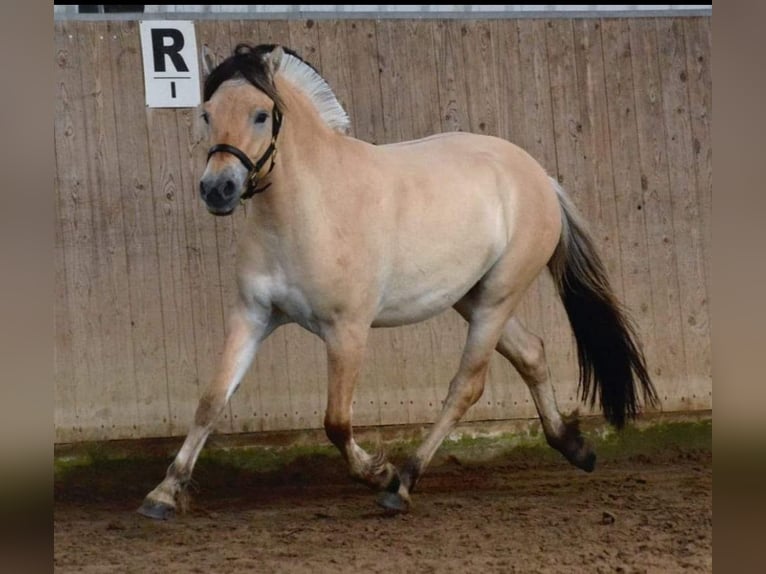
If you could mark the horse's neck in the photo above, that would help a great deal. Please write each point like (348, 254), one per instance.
(304, 149)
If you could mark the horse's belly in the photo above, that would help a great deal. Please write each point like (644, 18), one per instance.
(424, 291)
(416, 307)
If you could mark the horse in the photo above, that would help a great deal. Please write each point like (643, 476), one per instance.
(345, 236)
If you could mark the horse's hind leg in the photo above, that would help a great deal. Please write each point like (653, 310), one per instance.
(486, 323)
(527, 354)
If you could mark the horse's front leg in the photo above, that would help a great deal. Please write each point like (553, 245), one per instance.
(247, 328)
(345, 353)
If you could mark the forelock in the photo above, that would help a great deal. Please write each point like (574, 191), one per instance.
(246, 62)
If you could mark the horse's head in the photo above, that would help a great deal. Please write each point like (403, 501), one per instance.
(242, 110)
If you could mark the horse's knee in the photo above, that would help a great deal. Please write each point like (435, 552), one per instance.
(208, 407)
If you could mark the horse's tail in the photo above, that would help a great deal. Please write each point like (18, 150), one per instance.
(609, 354)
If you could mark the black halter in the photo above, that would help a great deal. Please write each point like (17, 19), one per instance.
(254, 168)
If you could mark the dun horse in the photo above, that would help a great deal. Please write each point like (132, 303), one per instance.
(345, 236)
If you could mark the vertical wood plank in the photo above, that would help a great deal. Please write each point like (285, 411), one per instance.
(667, 361)
(697, 32)
(510, 91)
(450, 76)
(627, 180)
(178, 335)
(365, 71)
(480, 77)
(394, 91)
(115, 385)
(686, 213)
(72, 152)
(140, 231)
(69, 364)
(65, 382)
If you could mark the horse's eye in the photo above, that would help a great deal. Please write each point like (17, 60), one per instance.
(261, 117)
(205, 117)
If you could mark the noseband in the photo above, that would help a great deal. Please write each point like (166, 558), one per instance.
(254, 168)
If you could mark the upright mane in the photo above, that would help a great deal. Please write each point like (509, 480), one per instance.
(248, 62)
(305, 77)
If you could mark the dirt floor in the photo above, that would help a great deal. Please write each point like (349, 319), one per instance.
(644, 510)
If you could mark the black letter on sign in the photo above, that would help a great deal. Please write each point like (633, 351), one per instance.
(173, 51)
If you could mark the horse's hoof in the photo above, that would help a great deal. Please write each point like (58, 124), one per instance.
(156, 510)
(394, 502)
(588, 463)
(573, 446)
(584, 461)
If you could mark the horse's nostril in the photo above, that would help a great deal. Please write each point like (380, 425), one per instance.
(228, 189)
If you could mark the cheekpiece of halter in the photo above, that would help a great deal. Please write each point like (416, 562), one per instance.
(253, 169)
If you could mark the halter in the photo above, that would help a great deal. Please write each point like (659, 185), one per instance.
(254, 168)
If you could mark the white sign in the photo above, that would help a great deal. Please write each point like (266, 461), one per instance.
(171, 70)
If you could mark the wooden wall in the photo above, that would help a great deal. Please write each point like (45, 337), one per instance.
(618, 109)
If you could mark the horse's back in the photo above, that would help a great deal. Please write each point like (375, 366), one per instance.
(464, 145)
(467, 171)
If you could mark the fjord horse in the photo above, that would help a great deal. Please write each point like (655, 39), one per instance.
(345, 236)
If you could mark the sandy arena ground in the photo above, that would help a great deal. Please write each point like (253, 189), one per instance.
(639, 513)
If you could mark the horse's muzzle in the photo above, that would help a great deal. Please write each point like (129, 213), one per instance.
(219, 194)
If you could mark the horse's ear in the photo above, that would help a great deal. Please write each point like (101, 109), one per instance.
(207, 61)
(274, 58)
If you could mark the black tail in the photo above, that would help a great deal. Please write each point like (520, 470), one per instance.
(610, 357)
